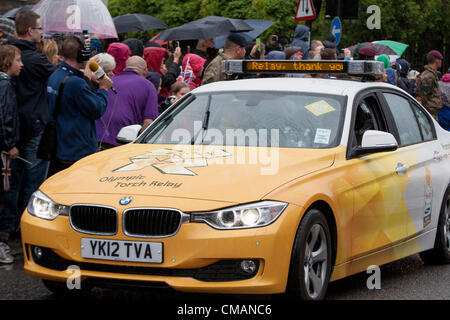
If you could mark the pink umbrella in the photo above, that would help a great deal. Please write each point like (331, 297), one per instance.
(74, 16)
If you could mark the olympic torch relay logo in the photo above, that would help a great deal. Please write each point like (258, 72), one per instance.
(170, 161)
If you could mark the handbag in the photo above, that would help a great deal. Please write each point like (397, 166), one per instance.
(47, 146)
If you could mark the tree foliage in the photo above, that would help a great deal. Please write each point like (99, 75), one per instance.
(423, 24)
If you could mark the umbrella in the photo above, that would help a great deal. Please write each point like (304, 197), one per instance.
(259, 26)
(74, 16)
(189, 32)
(137, 22)
(158, 42)
(398, 47)
(235, 25)
(11, 14)
(379, 49)
(204, 28)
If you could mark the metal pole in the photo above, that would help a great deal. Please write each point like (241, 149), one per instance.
(309, 25)
(339, 9)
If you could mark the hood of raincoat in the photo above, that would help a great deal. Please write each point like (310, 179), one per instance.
(390, 76)
(154, 57)
(121, 52)
(196, 63)
(301, 38)
(402, 67)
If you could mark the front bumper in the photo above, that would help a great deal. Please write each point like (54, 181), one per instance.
(197, 258)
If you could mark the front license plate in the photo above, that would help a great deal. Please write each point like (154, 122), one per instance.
(135, 251)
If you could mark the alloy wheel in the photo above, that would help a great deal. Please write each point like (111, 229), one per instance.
(316, 261)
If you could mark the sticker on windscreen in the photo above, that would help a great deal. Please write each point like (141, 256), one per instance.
(322, 136)
(319, 108)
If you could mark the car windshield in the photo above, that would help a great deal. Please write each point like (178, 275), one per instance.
(256, 119)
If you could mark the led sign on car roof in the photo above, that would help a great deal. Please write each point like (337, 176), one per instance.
(307, 66)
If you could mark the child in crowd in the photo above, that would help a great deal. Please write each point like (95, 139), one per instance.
(50, 50)
(177, 90)
(10, 66)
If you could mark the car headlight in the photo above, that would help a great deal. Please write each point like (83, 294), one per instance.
(43, 207)
(253, 215)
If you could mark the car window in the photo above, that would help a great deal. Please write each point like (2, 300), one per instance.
(278, 119)
(424, 123)
(367, 118)
(404, 118)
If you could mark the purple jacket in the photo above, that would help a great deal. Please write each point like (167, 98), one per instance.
(136, 100)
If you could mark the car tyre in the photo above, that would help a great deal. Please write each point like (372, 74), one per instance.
(311, 264)
(61, 289)
(440, 254)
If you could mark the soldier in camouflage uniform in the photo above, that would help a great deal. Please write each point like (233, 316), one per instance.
(428, 84)
(234, 50)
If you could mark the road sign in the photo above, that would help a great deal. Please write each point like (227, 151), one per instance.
(305, 10)
(336, 30)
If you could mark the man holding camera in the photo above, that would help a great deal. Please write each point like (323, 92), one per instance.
(79, 107)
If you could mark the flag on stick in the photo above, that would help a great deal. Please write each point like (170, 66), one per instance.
(6, 171)
(187, 74)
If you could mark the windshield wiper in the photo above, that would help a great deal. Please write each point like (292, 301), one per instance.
(205, 123)
(160, 124)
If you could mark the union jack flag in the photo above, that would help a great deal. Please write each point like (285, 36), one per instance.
(6, 171)
(187, 74)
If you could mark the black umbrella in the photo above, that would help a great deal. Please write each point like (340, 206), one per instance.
(259, 26)
(204, 28)
(137, 22)
(191, 32)
(235, 25)
(11, 14)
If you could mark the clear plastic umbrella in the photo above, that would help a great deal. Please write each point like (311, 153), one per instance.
(74, 16)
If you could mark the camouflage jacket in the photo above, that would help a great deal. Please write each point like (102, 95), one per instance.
(213, 71)
(428, 90)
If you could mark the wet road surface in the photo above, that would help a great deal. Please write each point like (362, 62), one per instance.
(406, 279)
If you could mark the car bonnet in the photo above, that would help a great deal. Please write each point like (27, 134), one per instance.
(234, 174)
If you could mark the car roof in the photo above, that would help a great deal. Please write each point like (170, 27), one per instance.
(312, 85)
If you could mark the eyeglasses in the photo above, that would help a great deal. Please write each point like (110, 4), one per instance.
(40, 28)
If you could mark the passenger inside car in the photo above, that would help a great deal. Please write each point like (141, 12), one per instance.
(364, 120)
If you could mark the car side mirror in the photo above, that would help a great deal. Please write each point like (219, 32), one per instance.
(128, 134)
(375, 141)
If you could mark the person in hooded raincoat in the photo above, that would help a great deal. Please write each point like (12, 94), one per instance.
(301, 39)
(403, 82)
(154, 56)
(192, 73)
(121, 52)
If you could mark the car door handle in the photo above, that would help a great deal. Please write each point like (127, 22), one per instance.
(437, 156)
(401, 168)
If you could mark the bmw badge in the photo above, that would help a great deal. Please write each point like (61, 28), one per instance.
(125, 200)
